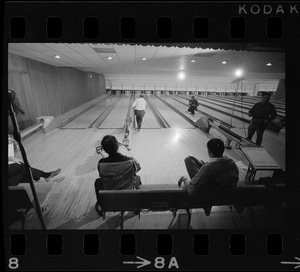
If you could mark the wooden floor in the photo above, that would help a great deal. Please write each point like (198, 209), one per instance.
(70, 201)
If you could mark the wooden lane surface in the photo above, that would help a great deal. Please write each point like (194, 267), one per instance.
(238, 105)
(212, 112)
(71, 113)
(280, 103)
(117, 116)
(246, 100)
(174, 119)
(250, 99)
(237, 123)
(74, 152)
(226, 118)
(85, 119)
(275, 100)
(160, 152)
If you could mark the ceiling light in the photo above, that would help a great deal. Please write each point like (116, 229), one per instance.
(193, 60)
(144, 58)
(238, 72)
(181, 75)
(57, 57)
(269, 64)
(109, 58)
(224, 62)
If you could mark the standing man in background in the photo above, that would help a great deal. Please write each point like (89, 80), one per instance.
(17, 108)
(261, 113)
(139, 106)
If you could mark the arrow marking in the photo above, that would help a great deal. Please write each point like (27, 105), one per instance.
(297, 263)
(144, 262)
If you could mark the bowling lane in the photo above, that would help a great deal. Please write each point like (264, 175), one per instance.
(221, 105)
(239, 105)
(215, 113)
(174, 119)
(280, 103)
(87, 118)
(117, 116)
(161, 153)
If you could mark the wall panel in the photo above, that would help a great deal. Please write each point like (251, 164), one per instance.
(49, 90)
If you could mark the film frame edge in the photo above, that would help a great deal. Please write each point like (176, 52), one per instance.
(35, 256)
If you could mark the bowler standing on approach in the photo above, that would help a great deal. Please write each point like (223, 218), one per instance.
(261, 113)
(139, 106)
(193, 104)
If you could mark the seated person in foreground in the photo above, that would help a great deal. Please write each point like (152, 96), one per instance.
(112, 172)
(17, 173)
(219, 172)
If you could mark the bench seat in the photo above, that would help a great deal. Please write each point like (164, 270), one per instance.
(159, 197)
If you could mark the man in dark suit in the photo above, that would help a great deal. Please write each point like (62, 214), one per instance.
(261, 113)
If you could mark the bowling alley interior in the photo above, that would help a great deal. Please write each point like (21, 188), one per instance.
(70, 95)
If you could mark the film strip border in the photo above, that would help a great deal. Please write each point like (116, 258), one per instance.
(271, 23)
(151, 22)
(150, 250)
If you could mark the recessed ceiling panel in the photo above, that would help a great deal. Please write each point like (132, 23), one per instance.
(125, 49)
(206, 55)
(104, 50)
(58, 47)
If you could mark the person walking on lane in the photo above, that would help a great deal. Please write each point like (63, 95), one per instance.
(139, 106)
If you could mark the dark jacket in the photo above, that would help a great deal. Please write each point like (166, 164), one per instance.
(194, 103)
(263, 112)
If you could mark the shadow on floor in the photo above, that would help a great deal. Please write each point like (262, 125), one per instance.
(258, 218)
(91, 220)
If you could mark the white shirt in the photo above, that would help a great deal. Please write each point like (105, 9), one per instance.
(139, 104)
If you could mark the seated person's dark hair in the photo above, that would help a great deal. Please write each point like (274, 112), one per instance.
(216, 147)
(266, 93)
(110, 144)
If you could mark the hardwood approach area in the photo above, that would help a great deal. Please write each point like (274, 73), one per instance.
(69, 203)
